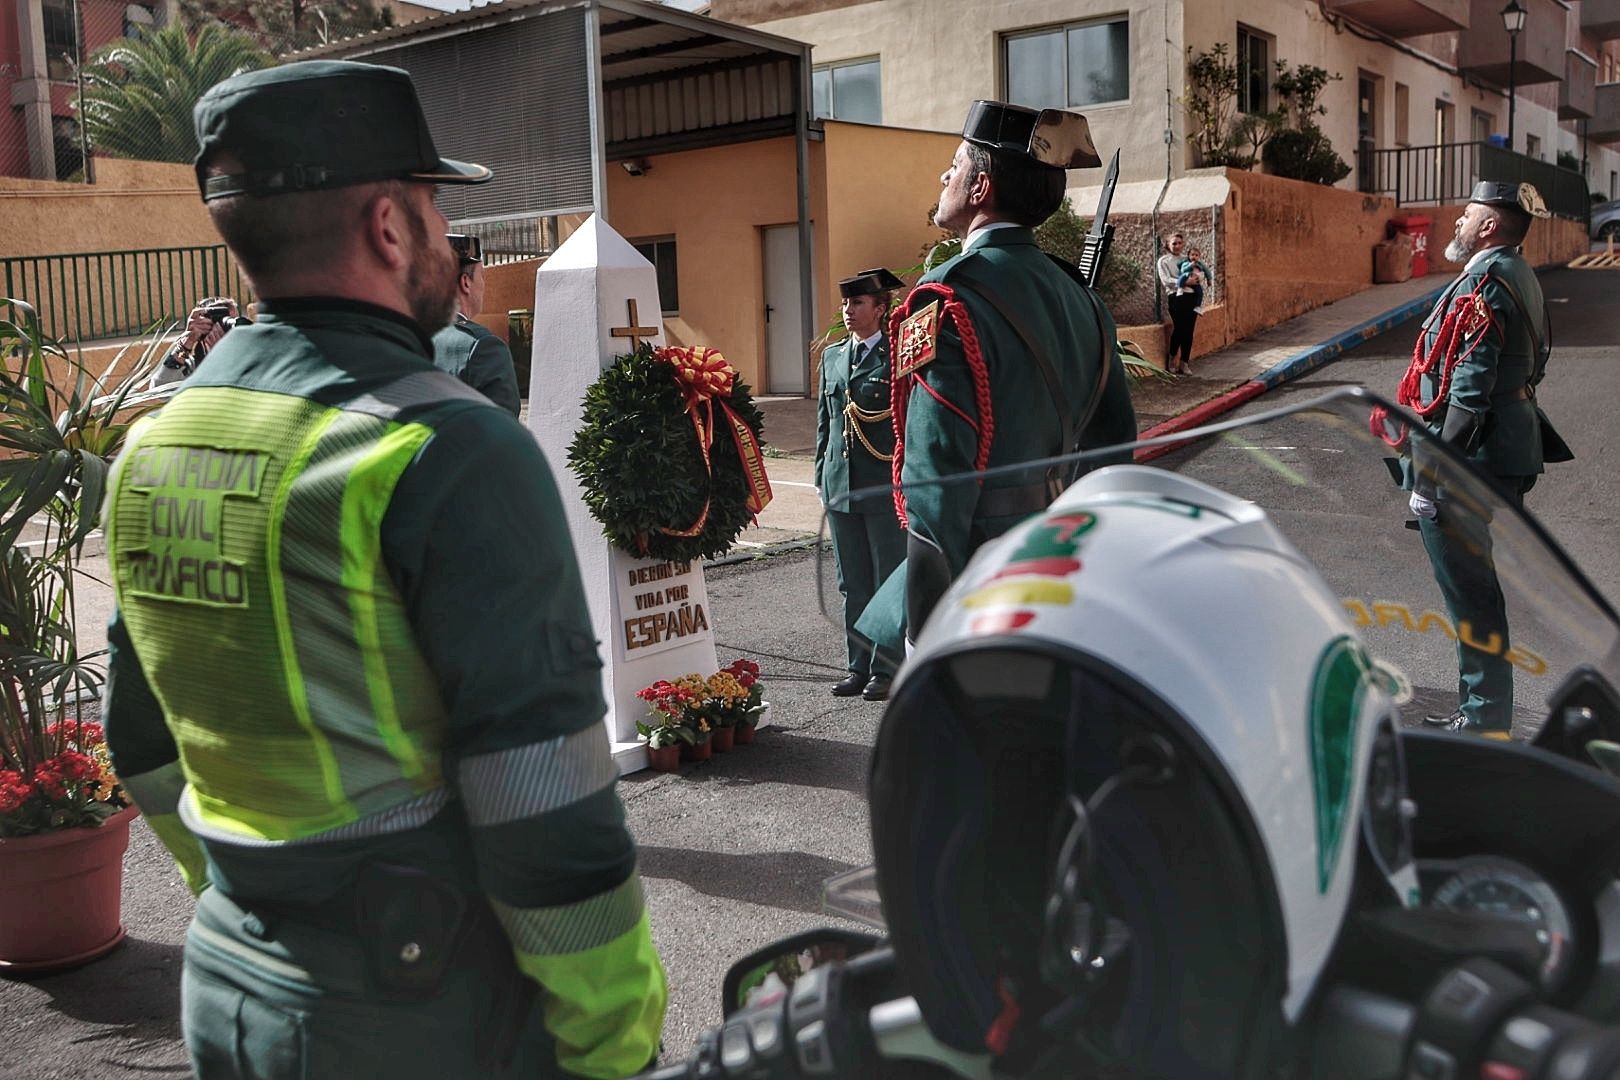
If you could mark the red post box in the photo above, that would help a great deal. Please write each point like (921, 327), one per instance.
(1416, 226)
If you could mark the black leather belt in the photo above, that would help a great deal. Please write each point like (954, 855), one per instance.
(1008, 501)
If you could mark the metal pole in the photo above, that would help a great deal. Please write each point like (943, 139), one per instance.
(1513, 82)
(801, 160)
(593, 72)
(89, 165)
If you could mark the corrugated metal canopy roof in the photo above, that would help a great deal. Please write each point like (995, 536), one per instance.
(670, 80)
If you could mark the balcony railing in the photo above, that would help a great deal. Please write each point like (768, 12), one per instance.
(109, 294)
(1446, 174)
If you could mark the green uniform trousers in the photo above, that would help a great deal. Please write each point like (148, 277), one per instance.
(267, 998)
(1460, 553)
(866, 549)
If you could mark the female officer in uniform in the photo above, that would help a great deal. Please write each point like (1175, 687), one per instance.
(854, 448)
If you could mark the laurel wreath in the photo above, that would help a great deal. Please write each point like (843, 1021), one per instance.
(639, 463)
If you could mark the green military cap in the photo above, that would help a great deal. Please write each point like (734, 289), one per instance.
(1047, 136)
(869, 283)
(1523, 197)
(318, 124)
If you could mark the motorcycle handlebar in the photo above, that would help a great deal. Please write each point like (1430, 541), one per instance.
(1478, 1021)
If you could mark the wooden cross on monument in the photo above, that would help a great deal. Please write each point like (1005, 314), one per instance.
(633, 332)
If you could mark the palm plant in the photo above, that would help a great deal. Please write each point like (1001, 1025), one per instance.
(55, 444)
(139, 92)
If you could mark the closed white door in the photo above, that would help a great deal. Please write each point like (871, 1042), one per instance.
(787, 355)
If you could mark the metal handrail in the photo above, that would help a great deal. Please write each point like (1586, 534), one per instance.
(85, 296)
(1447, 172)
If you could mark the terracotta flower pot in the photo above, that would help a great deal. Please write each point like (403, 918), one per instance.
(743, 733)
(664, 758)
(59, 895)
(700, 751)
(722, 738)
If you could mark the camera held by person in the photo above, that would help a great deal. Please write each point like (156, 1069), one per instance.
(210, 320)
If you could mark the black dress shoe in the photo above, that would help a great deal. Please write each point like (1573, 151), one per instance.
(877, 689)
(849, 685)
(1461, 725)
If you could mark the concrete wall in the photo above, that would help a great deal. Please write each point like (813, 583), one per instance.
(1292, 246)
(133, 204)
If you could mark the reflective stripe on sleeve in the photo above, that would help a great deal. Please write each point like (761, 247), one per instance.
(527, 781)
(577, 927)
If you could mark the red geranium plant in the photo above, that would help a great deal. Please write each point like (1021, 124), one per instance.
(56, 438)
(675, 720)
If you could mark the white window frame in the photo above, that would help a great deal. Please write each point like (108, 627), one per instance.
(1064, 28)
(832, 97)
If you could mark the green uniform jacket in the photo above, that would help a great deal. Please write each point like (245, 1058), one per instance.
(470, 352)
(436, 650)
(1491, 381)
(843, 463)
(1077, 335)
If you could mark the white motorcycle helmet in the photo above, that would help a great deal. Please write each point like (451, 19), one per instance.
(1120, 793)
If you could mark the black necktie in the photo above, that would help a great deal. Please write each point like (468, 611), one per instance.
(860, 353)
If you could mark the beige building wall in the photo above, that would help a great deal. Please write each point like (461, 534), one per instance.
(881, 182)
(715, 204)
(936, 56)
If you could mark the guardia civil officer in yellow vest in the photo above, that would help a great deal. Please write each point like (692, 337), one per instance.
(854, 448)
(353, 683)
(1473, 378)
(466, 348)
(1003, 355)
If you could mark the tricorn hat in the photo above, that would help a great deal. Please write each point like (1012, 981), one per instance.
(1523, 197)
(318, 124)
(468, 248)
(869, 283)
(1047, 136)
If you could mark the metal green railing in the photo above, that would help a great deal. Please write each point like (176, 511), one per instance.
(108, 294)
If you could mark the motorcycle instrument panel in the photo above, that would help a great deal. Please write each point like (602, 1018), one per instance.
(1500, 886)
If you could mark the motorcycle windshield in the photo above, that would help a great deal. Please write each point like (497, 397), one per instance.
(1333, 475)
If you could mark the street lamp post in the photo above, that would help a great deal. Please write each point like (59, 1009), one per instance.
(1513, 21)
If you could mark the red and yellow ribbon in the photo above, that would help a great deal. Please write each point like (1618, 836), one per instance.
(705, 380)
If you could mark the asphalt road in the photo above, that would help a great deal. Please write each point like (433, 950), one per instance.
(1330, 495)
(734, 852)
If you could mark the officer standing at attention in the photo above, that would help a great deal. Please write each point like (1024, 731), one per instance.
(854, 448)
(1003, 355)
(353, 683)
(466, 348)
(1473, 378)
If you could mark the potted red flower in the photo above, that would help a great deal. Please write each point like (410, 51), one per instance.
(668, 732)
(751, 710)
(64, 821)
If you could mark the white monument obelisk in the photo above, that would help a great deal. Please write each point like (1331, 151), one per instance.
(596, 298)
